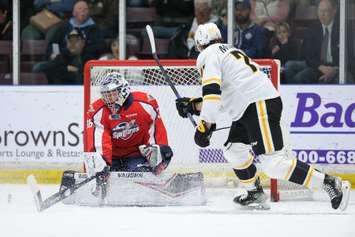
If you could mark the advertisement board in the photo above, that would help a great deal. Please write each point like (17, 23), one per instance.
(321, 123)
(41, 126)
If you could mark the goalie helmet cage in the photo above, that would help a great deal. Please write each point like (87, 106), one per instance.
(182, 73)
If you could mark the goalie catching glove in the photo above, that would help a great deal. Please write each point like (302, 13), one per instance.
(187, 106)
(158, 156)
(203, 133)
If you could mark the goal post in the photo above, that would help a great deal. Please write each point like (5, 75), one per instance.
(146, 76)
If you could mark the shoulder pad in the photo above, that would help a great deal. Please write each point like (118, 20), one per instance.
(143, 96)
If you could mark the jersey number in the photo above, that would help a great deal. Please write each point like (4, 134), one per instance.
(240, 55)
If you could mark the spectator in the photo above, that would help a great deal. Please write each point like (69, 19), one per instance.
(5, 23)
(134, 76)
(321, 49)
(81, 19)
(26, 11)
(60, 8)
(173, 13)
(249, 37)
(67, 67)
(269, 12)
(219, 8)
(174, 16)
(137, 3)
(105, 15)
(132, 43)
(203, 14)
(285, 48)
(114, 51)
(307, 3)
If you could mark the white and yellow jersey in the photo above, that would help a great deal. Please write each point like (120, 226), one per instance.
(230, 82)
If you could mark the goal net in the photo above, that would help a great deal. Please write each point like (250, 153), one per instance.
(145, 75)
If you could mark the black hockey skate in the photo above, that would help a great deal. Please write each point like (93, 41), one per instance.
(253, 199)
(338, 191)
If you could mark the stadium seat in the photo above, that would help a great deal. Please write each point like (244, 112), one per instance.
(141, 15)
(162, 46)
(4, 67)
(5, 47)
(33, 79)
(27, 66)
(5, 79)
(138, 17)
(33, 50)
(5, 56)
(25, 79)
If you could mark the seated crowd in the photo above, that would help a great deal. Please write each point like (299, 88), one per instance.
(307, 45)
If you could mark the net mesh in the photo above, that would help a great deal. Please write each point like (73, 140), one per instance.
(186, 75)
(152, 75)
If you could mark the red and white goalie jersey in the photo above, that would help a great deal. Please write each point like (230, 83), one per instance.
(117, 136)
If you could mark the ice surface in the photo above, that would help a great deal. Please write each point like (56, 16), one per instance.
(219, 218)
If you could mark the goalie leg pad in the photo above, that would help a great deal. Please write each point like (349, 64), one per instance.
(145, 189)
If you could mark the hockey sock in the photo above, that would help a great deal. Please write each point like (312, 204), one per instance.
(247, 176)
(304, 174)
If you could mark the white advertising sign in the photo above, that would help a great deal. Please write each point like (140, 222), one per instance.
(321, 122)
(41, 124)
(44, 124)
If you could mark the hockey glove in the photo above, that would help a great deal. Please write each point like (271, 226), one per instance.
(203, 133)
(158, 156)
(187, 105)
(93, 162)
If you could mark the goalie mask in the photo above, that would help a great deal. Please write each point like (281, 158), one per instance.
(114, 90)
(206, 34)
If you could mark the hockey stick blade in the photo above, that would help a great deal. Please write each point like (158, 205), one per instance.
(32, 182)
(151, 38)
(55, 198)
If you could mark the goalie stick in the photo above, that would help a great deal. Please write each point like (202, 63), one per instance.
(165, 74)
(55, 198)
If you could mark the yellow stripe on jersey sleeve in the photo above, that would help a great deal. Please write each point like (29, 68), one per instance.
(212, 97)
(211, 80)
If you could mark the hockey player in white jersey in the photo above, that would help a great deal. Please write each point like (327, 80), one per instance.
(232, 82)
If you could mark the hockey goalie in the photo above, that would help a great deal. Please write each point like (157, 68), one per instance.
(128, 152)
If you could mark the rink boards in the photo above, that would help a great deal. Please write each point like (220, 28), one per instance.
(41, 130)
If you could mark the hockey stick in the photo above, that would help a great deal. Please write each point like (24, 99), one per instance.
(165, 74)
(55, 198)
